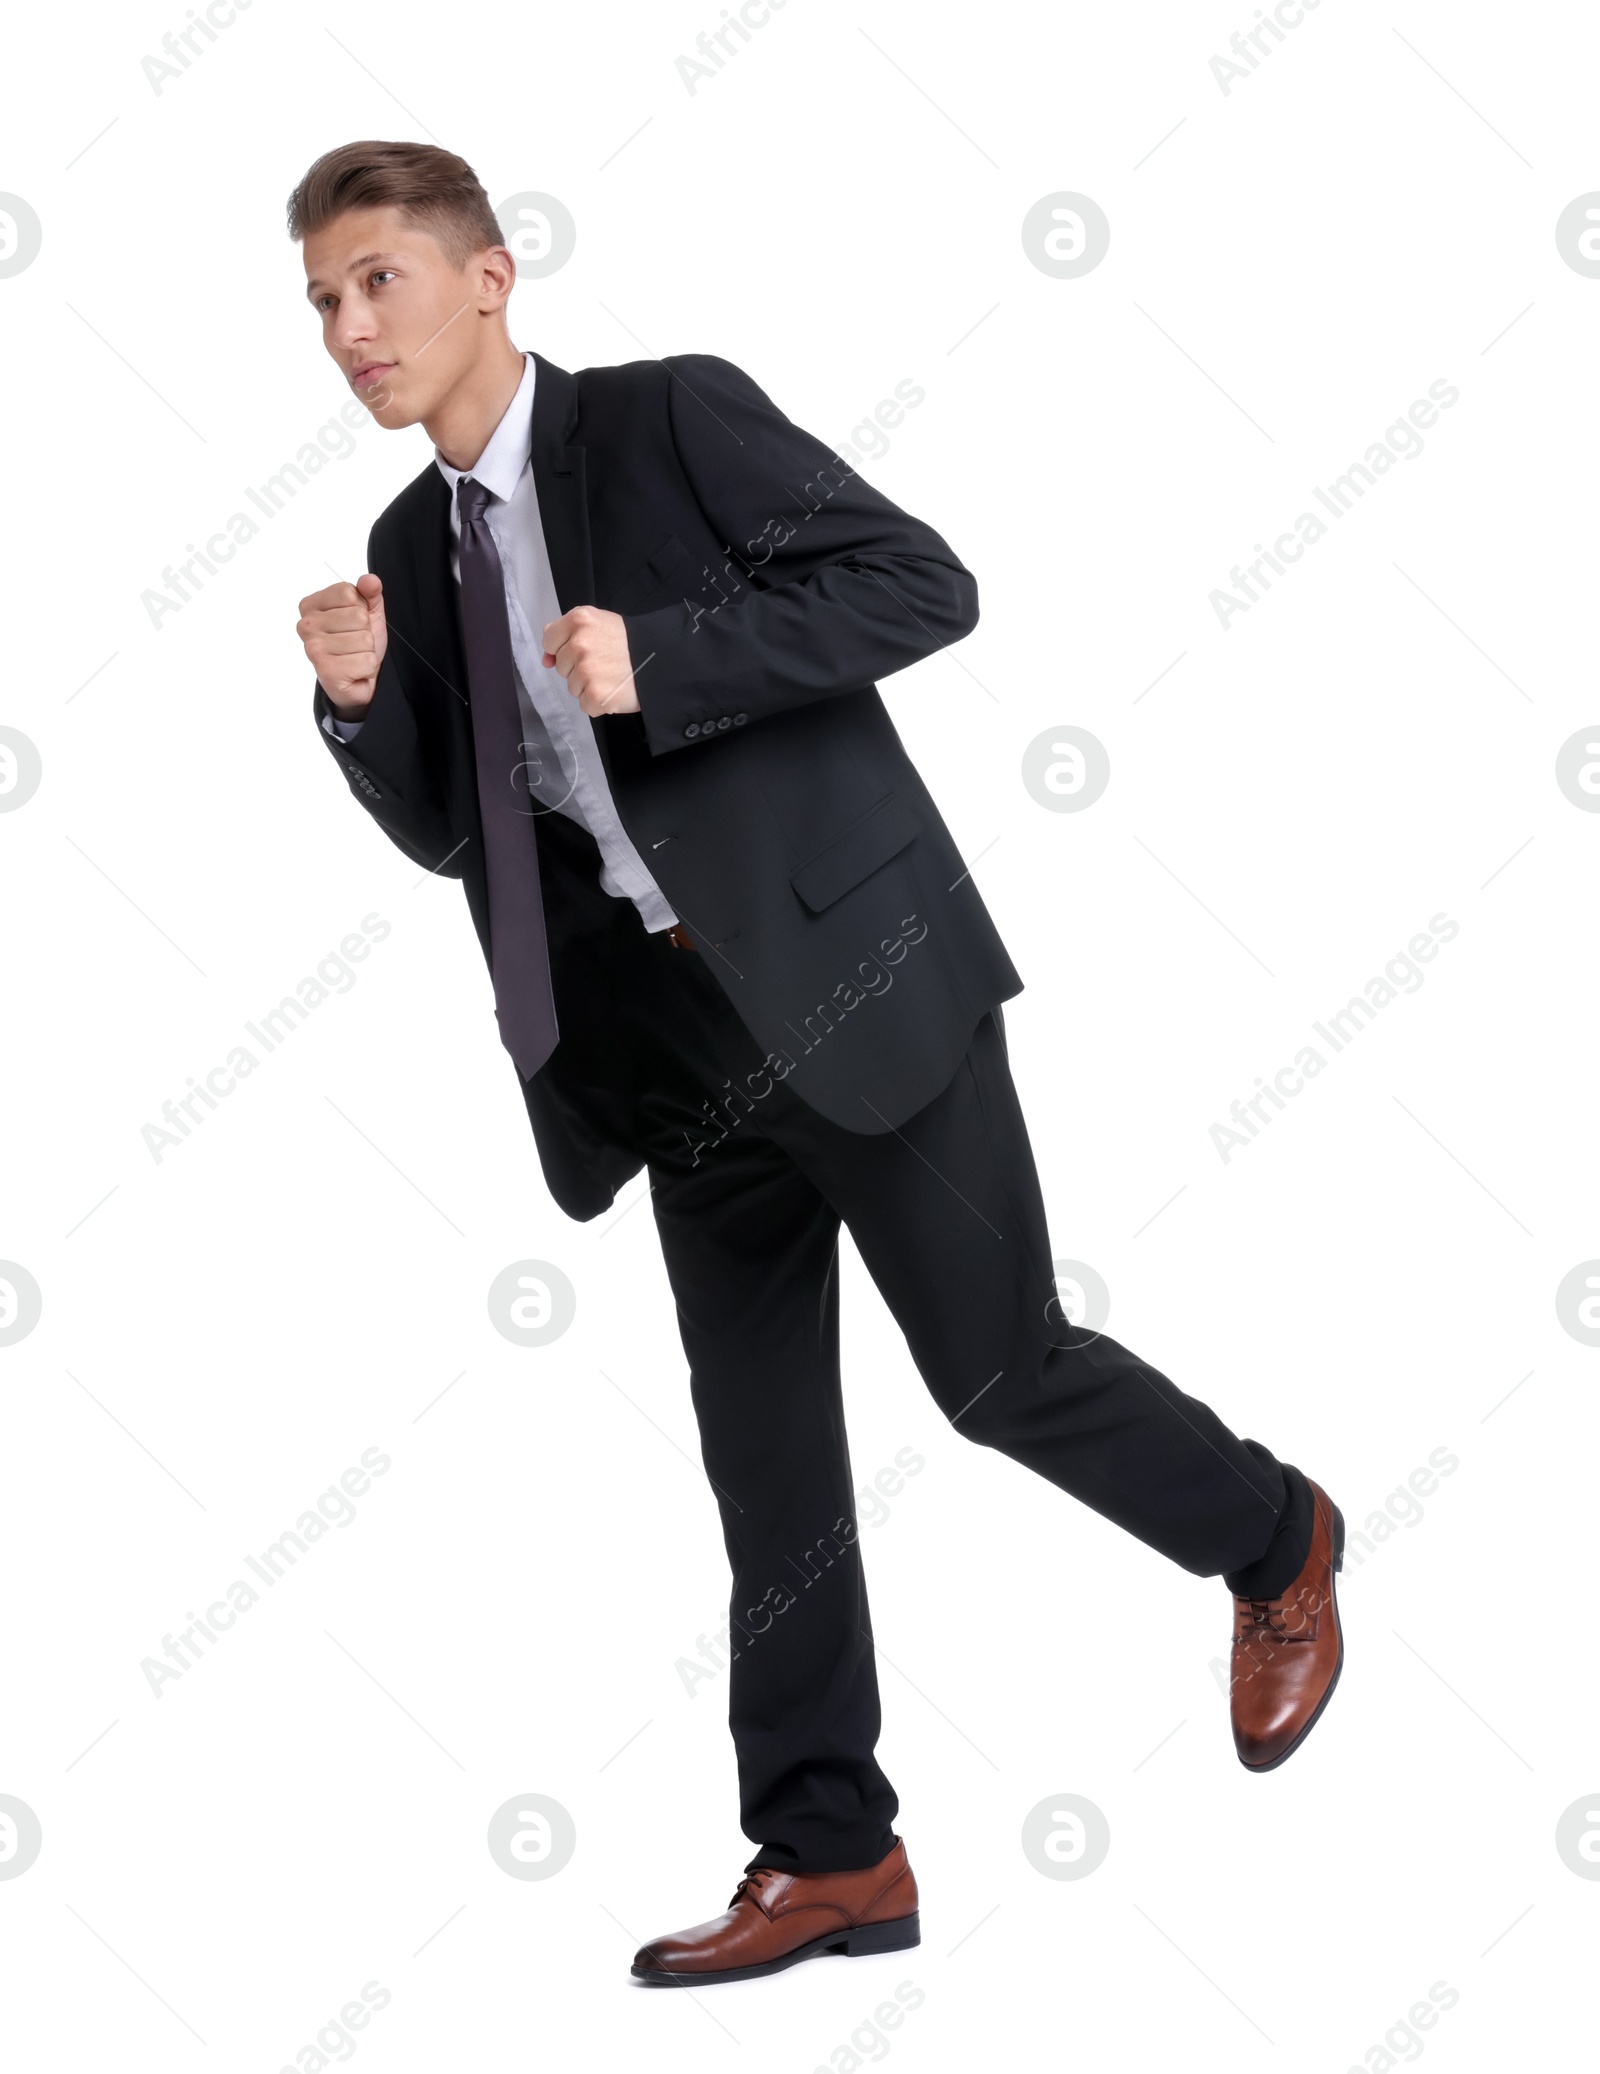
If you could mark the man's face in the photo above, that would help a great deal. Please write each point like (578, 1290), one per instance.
(402, 323)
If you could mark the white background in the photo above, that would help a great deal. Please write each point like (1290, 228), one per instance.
(1371, 1279)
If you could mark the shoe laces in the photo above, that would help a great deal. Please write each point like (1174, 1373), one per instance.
(1269, 1622)
(750, 1887)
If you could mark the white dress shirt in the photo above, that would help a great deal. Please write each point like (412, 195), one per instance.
(565, 774)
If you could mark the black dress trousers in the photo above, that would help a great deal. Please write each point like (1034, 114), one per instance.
(749, 1189)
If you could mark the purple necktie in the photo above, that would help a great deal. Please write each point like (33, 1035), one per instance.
(519, 958)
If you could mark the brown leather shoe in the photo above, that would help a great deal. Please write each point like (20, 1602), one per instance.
(775, 1919)
(1288, 1652)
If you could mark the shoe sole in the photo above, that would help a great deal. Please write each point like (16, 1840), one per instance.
(896, 1936)
(1315, 1716)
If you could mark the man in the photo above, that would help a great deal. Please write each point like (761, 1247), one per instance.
(613, 668)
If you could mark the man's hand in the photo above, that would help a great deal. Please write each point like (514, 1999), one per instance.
(345, 638)
(589, 647)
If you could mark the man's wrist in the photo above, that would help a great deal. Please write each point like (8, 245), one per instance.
(345, 713)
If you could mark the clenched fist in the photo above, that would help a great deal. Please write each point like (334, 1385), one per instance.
(345, 639)
(589, 646)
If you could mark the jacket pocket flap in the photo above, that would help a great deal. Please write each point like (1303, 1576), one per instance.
(882, 831)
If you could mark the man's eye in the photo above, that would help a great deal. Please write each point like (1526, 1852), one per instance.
(384, 274)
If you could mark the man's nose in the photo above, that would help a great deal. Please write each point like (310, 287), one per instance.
(352, 326)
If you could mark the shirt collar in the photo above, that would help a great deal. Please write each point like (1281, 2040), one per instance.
(502, 461)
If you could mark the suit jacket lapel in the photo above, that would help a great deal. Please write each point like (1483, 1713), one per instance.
(438, 610)
(558, 479)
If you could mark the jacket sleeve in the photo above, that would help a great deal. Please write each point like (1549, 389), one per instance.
(824, 585)
(385, 765)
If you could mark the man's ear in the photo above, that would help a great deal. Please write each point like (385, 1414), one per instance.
(495, 277)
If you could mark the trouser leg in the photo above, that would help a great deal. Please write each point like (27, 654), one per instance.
(751, 1251)
(949, 1218)
(752, 1254)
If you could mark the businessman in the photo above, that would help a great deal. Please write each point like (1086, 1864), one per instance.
(613, 666)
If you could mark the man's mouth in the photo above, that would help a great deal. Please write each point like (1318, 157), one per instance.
(371, 372)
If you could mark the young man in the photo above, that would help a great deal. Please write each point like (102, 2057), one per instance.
(613, 668)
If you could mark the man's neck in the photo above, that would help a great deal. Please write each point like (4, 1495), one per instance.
(465, 421)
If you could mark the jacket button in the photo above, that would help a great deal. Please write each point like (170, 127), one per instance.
(724, 721)
(739, 719)
(691, 730)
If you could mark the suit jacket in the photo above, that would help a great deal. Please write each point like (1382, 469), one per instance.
(764, 586)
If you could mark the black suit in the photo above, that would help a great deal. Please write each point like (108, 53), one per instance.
(833, 1051)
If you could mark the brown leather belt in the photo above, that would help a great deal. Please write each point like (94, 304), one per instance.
(680, 938)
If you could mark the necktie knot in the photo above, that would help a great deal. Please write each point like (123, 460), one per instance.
(472, 499)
